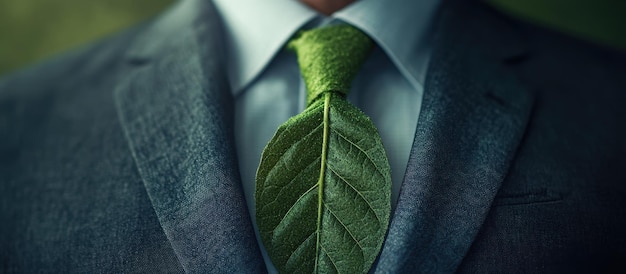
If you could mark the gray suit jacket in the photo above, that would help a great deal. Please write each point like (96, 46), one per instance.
(119, 157)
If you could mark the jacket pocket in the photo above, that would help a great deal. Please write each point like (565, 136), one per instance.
(532, 196)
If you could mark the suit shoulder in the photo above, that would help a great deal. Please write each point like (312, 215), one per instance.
(87, 64)
(560, 57)
(573, 52)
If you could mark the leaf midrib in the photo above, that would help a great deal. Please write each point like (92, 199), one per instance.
(320, 182)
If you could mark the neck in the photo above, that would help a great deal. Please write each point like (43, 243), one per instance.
(327, 7)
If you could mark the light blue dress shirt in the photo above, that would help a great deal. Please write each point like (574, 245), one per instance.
(268, 89)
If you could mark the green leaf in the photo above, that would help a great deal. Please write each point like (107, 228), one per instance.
(323, 191)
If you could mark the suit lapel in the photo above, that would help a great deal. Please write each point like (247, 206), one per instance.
(176, 110)
(473, 118)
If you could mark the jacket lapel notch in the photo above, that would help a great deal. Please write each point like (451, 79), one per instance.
(176, 110)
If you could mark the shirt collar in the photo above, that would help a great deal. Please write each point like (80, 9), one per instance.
(257, 30)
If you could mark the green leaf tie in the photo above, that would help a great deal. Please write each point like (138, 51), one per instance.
(323, 188)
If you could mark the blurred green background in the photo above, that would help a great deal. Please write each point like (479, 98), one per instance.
(34, 29)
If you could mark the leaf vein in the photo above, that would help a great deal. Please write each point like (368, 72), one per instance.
(294, 204)
(329, 258)
(361, 150)
(282, 156)
(345, 228)
(299, 246)
(315, 161)
(371, 208)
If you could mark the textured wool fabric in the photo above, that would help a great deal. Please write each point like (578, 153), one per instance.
(330, 58)
(119, 157)
(115, 162)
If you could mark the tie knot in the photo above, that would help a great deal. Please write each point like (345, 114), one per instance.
(330, 58)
